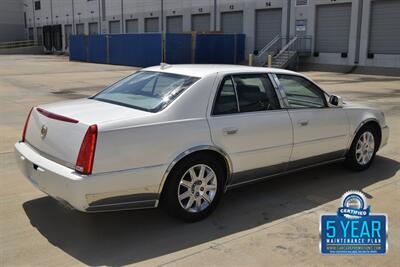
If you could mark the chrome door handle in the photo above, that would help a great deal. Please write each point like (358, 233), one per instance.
(230, 130)
(302, 122)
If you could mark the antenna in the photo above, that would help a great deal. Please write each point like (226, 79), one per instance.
(164, 65)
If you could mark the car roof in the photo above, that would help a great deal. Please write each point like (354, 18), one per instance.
(202, 70)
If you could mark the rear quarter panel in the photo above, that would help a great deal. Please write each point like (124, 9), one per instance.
(159, 138)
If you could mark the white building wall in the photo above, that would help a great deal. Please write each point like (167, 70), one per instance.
(91, 11)
(12, 26)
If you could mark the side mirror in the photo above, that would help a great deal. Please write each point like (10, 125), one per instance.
(335, 100)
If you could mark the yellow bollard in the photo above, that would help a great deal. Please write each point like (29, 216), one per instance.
(269, 61)
(251, 59)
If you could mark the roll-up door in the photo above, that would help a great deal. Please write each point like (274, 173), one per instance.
(80, 28)
(93, 28)
(39, 36)
(151, 25)
(332, 28)
(232, 22)
(132, 26)
(268, 25)
(115, 27)
(175, 24)
(67, 33)
(31, 34)
(385, 27)
(201, 22)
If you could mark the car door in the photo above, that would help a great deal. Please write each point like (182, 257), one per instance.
(320, 132)
(248, 123)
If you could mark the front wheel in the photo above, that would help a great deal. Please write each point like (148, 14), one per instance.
(363, 149)
(194, 188)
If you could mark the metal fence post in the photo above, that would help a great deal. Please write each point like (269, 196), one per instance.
(194, 43)
(235, 49)
(87, 47)
(107, 49)
(163, 47)
(269, 61)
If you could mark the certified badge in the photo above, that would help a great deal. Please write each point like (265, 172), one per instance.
(353, 229)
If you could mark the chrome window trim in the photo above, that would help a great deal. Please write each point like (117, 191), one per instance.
(267, 76)
(282, 90)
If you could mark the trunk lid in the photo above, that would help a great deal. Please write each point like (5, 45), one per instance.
(57, 130)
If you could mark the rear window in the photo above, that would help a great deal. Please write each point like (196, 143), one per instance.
(145, 90)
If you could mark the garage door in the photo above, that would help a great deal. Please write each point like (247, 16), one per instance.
(132, 26)
(151, 25)
(385, 27)
(67, 33)
(332, 28)
(115, 27)
(93, 28)
(201, 22)
(80, 28)
(175, 24)
(40, 35)
(232, 22)
(268, 26)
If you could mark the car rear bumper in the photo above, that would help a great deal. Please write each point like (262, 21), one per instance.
(99, 192)
(385, 136)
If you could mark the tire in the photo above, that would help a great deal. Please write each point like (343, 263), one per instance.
(183, 194)
(357, 158)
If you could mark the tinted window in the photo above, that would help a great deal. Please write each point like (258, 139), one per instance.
(255, 93)
(301, 93)
(150, 91)
(226, 100)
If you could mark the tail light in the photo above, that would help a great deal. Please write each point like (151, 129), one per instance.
(26, 125)
(84, 163)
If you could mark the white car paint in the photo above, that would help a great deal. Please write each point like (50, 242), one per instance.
(136, 149)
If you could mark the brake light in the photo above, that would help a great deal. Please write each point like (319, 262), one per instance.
(26, 125)
(55, 116)
(84, 163)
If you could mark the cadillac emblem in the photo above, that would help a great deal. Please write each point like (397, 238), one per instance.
(43, 131)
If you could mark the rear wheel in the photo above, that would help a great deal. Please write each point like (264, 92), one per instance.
(363, 149)
(194, 188)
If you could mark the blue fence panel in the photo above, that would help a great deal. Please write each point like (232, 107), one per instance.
(97, 48)
(135, 49)
(240, 47)
(145, 50)
(77, 48)
(215, 48)
(178, 48)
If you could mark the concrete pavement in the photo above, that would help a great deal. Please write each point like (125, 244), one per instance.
(273, 223)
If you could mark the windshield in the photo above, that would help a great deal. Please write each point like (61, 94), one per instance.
(145, 90)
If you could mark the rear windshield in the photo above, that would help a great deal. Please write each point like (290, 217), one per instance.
(145, 90)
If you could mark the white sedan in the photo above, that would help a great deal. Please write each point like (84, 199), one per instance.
(181, 135)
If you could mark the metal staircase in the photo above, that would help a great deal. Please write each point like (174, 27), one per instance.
(283, 51)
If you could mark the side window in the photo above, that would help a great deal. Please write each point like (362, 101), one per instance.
(255, 93)
(226, 100)
(301, 93)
